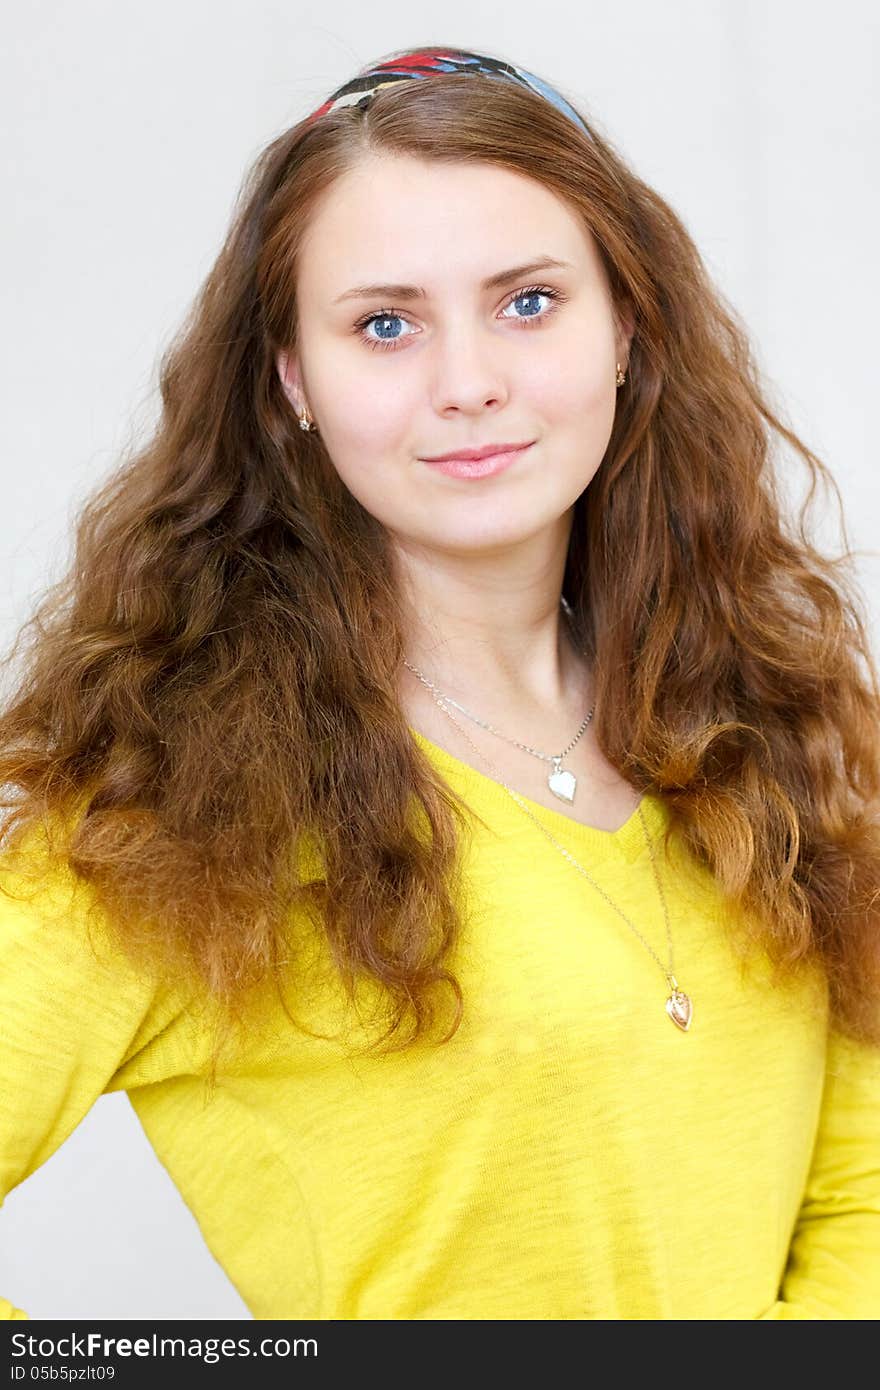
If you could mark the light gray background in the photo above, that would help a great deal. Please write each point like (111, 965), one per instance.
(128, 128)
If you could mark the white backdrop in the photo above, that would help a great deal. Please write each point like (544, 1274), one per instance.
(128, 129)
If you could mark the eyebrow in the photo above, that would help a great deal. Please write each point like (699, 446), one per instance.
(514, 272)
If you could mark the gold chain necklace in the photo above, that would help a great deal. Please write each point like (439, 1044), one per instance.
(679, 1005)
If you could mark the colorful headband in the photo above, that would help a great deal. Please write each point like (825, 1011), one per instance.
(426, 61)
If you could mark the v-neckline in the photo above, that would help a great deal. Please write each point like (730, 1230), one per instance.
(627, 841)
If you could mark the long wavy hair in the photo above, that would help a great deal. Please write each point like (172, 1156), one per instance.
(210, 689)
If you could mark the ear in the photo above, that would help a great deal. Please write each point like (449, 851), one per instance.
(289, 372)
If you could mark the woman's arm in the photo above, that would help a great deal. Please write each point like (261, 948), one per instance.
(76, 1020)
(833, 1268)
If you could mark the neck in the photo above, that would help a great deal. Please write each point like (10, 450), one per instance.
(524, 673)
(489, 630)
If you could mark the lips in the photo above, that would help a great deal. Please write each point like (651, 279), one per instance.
(473, 468)
(474, 455)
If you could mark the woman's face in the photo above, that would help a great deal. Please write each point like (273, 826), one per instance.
(393, 375)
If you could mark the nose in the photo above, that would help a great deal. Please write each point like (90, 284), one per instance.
(468, 370)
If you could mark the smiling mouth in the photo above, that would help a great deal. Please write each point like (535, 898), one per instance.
(474, 455)
(484, 467)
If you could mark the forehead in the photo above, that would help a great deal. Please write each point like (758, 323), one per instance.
(431, 221)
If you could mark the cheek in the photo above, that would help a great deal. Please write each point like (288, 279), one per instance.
(366, 428)
(580, 399)
(363, 415)
(572, 383)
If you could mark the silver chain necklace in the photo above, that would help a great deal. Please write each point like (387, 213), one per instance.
(679, 1005)
(561, 781)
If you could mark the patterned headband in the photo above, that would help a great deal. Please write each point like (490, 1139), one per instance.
(426, 61)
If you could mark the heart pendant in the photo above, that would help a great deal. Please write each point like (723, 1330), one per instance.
(562, 783)
(680, 1009)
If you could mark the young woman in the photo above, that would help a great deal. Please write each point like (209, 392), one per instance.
(443, 794)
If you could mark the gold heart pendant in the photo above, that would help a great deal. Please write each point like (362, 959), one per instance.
(680, 1009)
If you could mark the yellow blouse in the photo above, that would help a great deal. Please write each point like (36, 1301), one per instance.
(570, 1153)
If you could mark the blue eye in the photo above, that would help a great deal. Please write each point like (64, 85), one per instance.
(382, 320)
(531, 294)
(385, 317)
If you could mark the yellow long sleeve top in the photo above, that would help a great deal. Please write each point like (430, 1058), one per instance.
(569, 1154)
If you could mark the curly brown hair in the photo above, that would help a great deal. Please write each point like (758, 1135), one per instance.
(210, 691)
